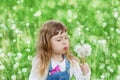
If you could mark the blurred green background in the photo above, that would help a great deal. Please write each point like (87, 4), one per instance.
(96, 22)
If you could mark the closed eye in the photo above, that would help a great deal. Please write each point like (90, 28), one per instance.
(59, 39)
(66, 37)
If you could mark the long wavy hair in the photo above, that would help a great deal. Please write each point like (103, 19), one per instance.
(44, 49)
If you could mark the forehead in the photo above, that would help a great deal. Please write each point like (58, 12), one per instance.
(60, 34)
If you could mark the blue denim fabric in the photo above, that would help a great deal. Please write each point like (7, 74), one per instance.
(60, 75)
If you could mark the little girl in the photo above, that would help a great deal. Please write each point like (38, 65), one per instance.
(54, 60)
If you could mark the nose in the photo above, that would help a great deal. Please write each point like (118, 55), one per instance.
(64, 41)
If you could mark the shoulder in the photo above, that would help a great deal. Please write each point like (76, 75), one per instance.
(35, 62)
(34, 74)
(35, 59)
(73, 61)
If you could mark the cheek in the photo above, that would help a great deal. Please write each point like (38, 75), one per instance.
(68, 43)
(55, 45)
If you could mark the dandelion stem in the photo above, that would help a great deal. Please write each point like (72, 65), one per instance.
(83, 60)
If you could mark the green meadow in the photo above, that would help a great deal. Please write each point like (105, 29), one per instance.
(95, 22)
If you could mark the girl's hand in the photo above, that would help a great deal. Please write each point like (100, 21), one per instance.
(85, 68)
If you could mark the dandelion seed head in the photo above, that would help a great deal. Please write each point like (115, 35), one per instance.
(87, 49)
(27, 24)
(98, 11)
(19, 72)
(118, 31)
(69, 13)
(118, 77)
(109, 68)
(28, 41)
(24, 70)
(107, 61)
(107, 74)
(31, 9)
(82, 41)
(115, 14)
(19, 55)
(118, 67)
(17, 58)
(9, 54)
(87, 29)
(14, 40)
(102, 76)
(69, 20)
(18, 2)
(15, 8)
(3, 26)
(28, 49)
(2, 77)
(37, 14)
(104, 24)
(2, 55)
(102, 42)
(112, 29)
(77, 31)
(30, 58)
(16, 31)
(13, 27)
(102, 66)
(75, 16)
(13, 77)
(114, 55)
(16, 65)
(2, 67)
(83, 50)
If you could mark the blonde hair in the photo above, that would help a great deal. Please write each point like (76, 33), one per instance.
(44, 50)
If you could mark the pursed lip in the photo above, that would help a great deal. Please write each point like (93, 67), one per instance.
(65, 48)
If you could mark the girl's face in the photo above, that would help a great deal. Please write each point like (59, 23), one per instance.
(60, 43)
